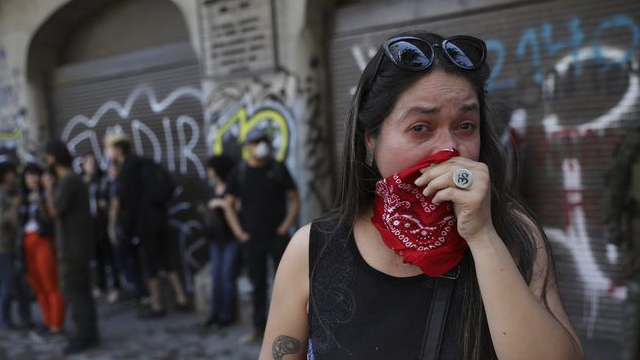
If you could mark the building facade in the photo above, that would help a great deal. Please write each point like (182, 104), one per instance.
(189, 78)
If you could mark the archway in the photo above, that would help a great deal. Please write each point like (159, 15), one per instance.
(126, 66)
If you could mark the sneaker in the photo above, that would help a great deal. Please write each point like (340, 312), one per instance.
(225, 323)
(221, 325)
(77, 345)
(38, 335)
(113, 296)
(144, 301)
(42, 336)
(253, 337)
(8, 325)
(186, 307)
(148, 313)
(211, 320)
(97, 293)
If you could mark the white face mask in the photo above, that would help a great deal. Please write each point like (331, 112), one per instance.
(261, 150)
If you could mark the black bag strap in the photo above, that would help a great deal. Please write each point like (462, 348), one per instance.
(438, 314)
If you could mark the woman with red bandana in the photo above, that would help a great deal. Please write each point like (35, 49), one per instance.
(428, 255)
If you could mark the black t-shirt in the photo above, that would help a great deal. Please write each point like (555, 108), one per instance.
(139, 217)
(215, 224)
(128, 186)
(262, 193)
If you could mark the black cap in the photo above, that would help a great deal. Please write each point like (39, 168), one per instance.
(256, 135)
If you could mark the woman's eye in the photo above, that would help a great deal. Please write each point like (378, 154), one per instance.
(467, 126)
(418, 128)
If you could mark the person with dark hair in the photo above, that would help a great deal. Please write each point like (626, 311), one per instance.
(104, 267)
(428, 255)
(218, 220)
(125, 253)
(67, 201)
(266, 195)
(10, 277)
(36, 232)
(144, 191)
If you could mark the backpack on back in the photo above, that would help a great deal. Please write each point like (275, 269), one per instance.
(158, 185)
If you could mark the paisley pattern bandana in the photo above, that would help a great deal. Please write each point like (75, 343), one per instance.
(423, 233)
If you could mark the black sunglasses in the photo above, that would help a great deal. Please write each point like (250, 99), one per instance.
(411, 53)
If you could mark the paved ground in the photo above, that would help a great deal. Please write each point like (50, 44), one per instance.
(177, 336)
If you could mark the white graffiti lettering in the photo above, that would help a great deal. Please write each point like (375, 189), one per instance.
(186, 147)
(87, 127)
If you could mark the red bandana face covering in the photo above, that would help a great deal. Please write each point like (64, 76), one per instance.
(423, 233)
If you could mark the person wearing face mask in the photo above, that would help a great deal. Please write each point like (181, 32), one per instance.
(263, 191)
(428, 255)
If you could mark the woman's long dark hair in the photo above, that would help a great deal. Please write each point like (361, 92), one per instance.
(371, 104)
(30, 168)
(98, 173)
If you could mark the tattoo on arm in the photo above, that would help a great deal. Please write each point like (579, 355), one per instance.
(284, 345)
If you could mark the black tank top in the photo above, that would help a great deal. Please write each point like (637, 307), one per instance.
(357, 312)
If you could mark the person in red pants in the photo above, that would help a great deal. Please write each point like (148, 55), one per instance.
(39, 254)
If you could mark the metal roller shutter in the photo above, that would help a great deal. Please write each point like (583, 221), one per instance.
(572, 70)
(154, 96)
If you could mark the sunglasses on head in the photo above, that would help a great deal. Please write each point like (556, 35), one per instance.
(411, 53)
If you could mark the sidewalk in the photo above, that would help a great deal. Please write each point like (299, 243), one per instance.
(176, 336)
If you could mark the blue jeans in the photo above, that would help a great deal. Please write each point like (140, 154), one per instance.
(7, 274)
(125, 259)
(223, 256)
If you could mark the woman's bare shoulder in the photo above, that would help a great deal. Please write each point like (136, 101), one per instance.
(299, 243)
(295, 261)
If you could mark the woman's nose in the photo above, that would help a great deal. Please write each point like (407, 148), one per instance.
(443, 139)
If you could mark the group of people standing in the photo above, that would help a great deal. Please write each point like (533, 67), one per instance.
(77, 236)
(45, 234)
(253, 203)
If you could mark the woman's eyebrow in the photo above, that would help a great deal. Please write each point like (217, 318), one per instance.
(420, 110)
(430, 110)
(468, 107)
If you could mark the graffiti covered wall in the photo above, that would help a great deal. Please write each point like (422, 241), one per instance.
(13, 146)
(565, 80)
(161, 111)
(288, 108)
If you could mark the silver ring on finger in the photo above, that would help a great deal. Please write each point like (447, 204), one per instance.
(463, 178)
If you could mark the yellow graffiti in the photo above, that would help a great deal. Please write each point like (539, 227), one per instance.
(15, 135)
(246, 124)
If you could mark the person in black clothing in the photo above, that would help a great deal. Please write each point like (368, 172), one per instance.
(218, 222)
(344, 288)
(268, 202)
(125, 253)
(67, 201)
(146, 220)
(92, 175)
